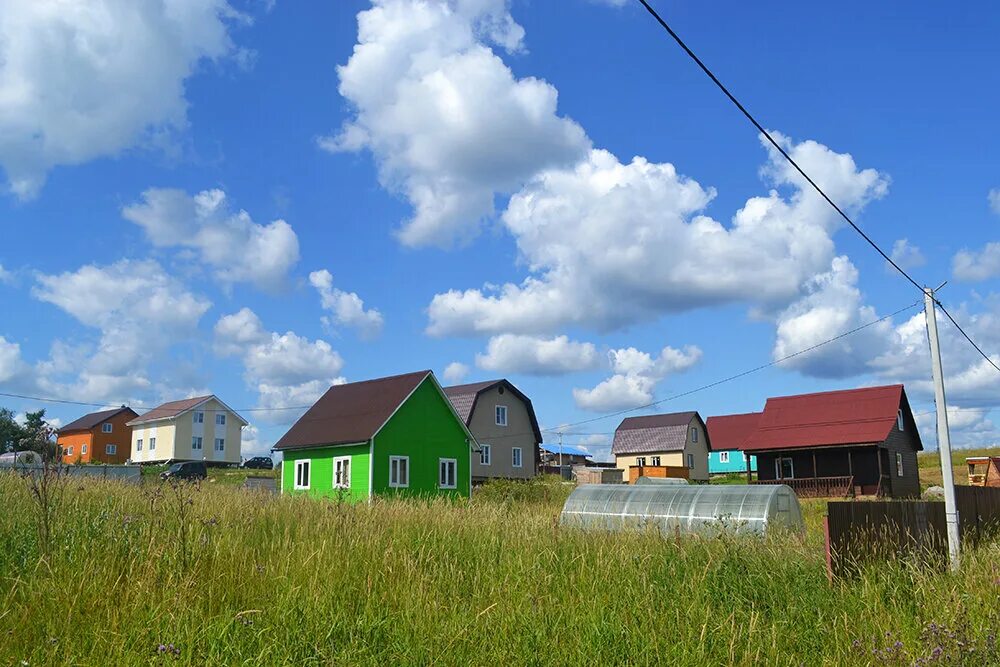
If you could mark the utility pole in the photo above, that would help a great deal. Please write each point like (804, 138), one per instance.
(944, 439)
(560, 455)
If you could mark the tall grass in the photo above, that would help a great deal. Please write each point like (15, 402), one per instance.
(275, 580)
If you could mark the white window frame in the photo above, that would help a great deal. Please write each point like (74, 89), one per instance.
(152, 444)
(106, 427)
(337, 462)
(691, 461)
(138, 444)
(654, 461)
(110, 450)
(694, 434)
(68, 451)
(899, 464)
(198, 418)
(219, 447)
(485, 454)
(399, 484)
(443, 465)
(197, 443)
(900, 422)
(83, 449)
(777, 467)
(220, 418)
(640, 461)
(517, 457)
(299, 464)
(723, 457)
(501, 410)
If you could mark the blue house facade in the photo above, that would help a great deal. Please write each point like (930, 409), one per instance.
(729, 461)
(728, 435)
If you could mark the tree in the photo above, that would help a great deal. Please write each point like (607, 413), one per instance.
(38, 436)
(11, 432)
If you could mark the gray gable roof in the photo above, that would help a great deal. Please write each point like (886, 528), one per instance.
(463, 398)
(653, 433)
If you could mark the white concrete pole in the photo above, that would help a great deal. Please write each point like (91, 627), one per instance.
(944, 439)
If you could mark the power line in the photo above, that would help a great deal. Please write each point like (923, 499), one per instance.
(739, 375)
(967, 337)
(777, 146)
(791, 161)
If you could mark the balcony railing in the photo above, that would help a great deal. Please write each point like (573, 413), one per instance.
(817, 487)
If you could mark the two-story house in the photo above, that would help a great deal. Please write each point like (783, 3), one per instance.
(677, 441)
(503, 421)
(98, 437)
(193, 429)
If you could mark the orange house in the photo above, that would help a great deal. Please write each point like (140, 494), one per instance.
(100, 437)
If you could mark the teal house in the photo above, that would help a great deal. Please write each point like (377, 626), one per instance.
(395, 436)
(728, 435)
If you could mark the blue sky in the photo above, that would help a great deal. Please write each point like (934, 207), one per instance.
(202, 196)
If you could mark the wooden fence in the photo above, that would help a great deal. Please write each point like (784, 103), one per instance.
(863, 532)
(676, 472)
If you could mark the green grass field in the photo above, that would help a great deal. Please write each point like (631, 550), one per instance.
(248, 578)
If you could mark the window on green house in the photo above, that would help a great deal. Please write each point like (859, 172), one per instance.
(342, 472)
(302, 474)
(399, 471)
(516, 457)
(447, 473)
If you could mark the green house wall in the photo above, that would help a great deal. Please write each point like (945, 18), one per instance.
(426, 429)
(321, 471)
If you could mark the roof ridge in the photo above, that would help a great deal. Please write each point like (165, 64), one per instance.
(830, 392)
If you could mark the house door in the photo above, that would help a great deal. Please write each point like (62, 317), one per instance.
(784, 468)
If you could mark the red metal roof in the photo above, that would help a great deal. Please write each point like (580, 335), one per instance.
(728, 432)
(831, 418)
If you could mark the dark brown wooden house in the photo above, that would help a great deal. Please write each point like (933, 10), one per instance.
(856, 441)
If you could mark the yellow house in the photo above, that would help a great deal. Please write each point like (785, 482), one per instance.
(677, 440)
(194, 429)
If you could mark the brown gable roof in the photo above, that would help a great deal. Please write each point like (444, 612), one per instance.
(87, 422)
(653, 433)
(349, 413)
(171, 409)
(464, 396)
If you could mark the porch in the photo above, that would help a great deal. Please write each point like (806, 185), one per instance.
(826, 472)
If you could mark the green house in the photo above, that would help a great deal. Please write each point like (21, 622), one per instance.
(398, 435)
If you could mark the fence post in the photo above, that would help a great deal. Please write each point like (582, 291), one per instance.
(829, 555)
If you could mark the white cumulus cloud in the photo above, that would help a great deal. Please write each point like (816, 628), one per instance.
(609, 244)
(140, 311)
(448, 123)
(231, 243)
(636, 375)
(287, 370)
(455, 372)
(81, 79)
(510, 353)
(906, 255)
(346, 308)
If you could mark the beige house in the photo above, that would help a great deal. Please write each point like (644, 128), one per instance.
(194, 429)
(679, 439)
(503, 422)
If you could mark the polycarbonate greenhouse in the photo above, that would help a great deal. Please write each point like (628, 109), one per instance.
(661, 480)
(743, 509)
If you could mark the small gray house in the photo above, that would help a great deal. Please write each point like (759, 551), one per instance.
(503, 422)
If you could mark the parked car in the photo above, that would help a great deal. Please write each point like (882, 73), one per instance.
(259, 463)
(186, 470)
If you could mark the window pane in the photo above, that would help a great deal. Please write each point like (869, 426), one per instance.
(404, 474)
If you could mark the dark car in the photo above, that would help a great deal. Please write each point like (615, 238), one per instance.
(186, 470)
(259, 463)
